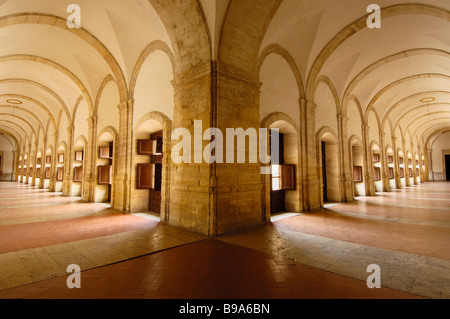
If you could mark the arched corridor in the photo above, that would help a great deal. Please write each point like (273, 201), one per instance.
(161, 109)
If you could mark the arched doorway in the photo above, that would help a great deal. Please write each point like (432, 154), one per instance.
(105, 167)
(390, 167)
(78, 167)
(377, 168)
(151, 166)
(402, 167)
(283, 186)
(357, 162)
(60, 159)
(329, 163)
(47, 167)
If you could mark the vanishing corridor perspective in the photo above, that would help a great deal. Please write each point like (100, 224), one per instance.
(91, 93)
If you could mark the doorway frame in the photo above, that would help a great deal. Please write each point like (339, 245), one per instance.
(445, 153)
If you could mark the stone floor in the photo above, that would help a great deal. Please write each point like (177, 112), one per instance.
(319, 255)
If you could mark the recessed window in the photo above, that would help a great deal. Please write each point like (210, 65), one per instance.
(376, 158)
(357, 174)
(377, 174)
(283, 177)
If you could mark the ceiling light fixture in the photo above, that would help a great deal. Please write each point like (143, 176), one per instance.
(428, 100)
(15, 103)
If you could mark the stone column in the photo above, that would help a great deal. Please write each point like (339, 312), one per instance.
(68, 162)
(311, 174)
(21, 153)
(398, 184)
(405, 161)
(413, 162)
(368, 162)
(193, 189)
(384, 165)
(42, 176)
(346, 173)
(122, 179)
(427, 156)
(52, 185)
(27, 177)
(234, 191)
(34, 175)
(89, 162)
(14, 166)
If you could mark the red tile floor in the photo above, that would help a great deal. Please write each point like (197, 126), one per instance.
(211, 268)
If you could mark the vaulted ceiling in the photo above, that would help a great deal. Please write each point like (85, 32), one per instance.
(47, 68)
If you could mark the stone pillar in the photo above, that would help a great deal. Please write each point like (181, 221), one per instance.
(34, 175)
(21, 154)
(89, 163)
(191, 205)
(15, 165)
(427, 156)
(68, 162)
(405, 161)
(52, 185)
(384, 165)
(413, 162)
(42, 176)
(27, 177)
(235, 190)
(398, 184)
(346, 173)
(122, 180)
(311, 181)
(369, 181)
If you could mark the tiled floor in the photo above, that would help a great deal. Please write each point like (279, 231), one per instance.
(319, 255)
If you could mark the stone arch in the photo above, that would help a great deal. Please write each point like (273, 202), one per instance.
(58, 67)
(293, 199)
(371, 104)
(44, 88)
(187, 30)
(109, 78)
(105, 192)
(326, 80)
(51, 20)
(360, 24)
(152, 47)
(149, 124)
(244, 29)
(356, 152)
(279, 50)
(329, 165)
(374, 66)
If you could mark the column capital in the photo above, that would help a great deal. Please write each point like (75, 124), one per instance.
(125, 106)
(70, 129)
(343, 119)
(309, 105)
(92, 121)
(365, 128)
